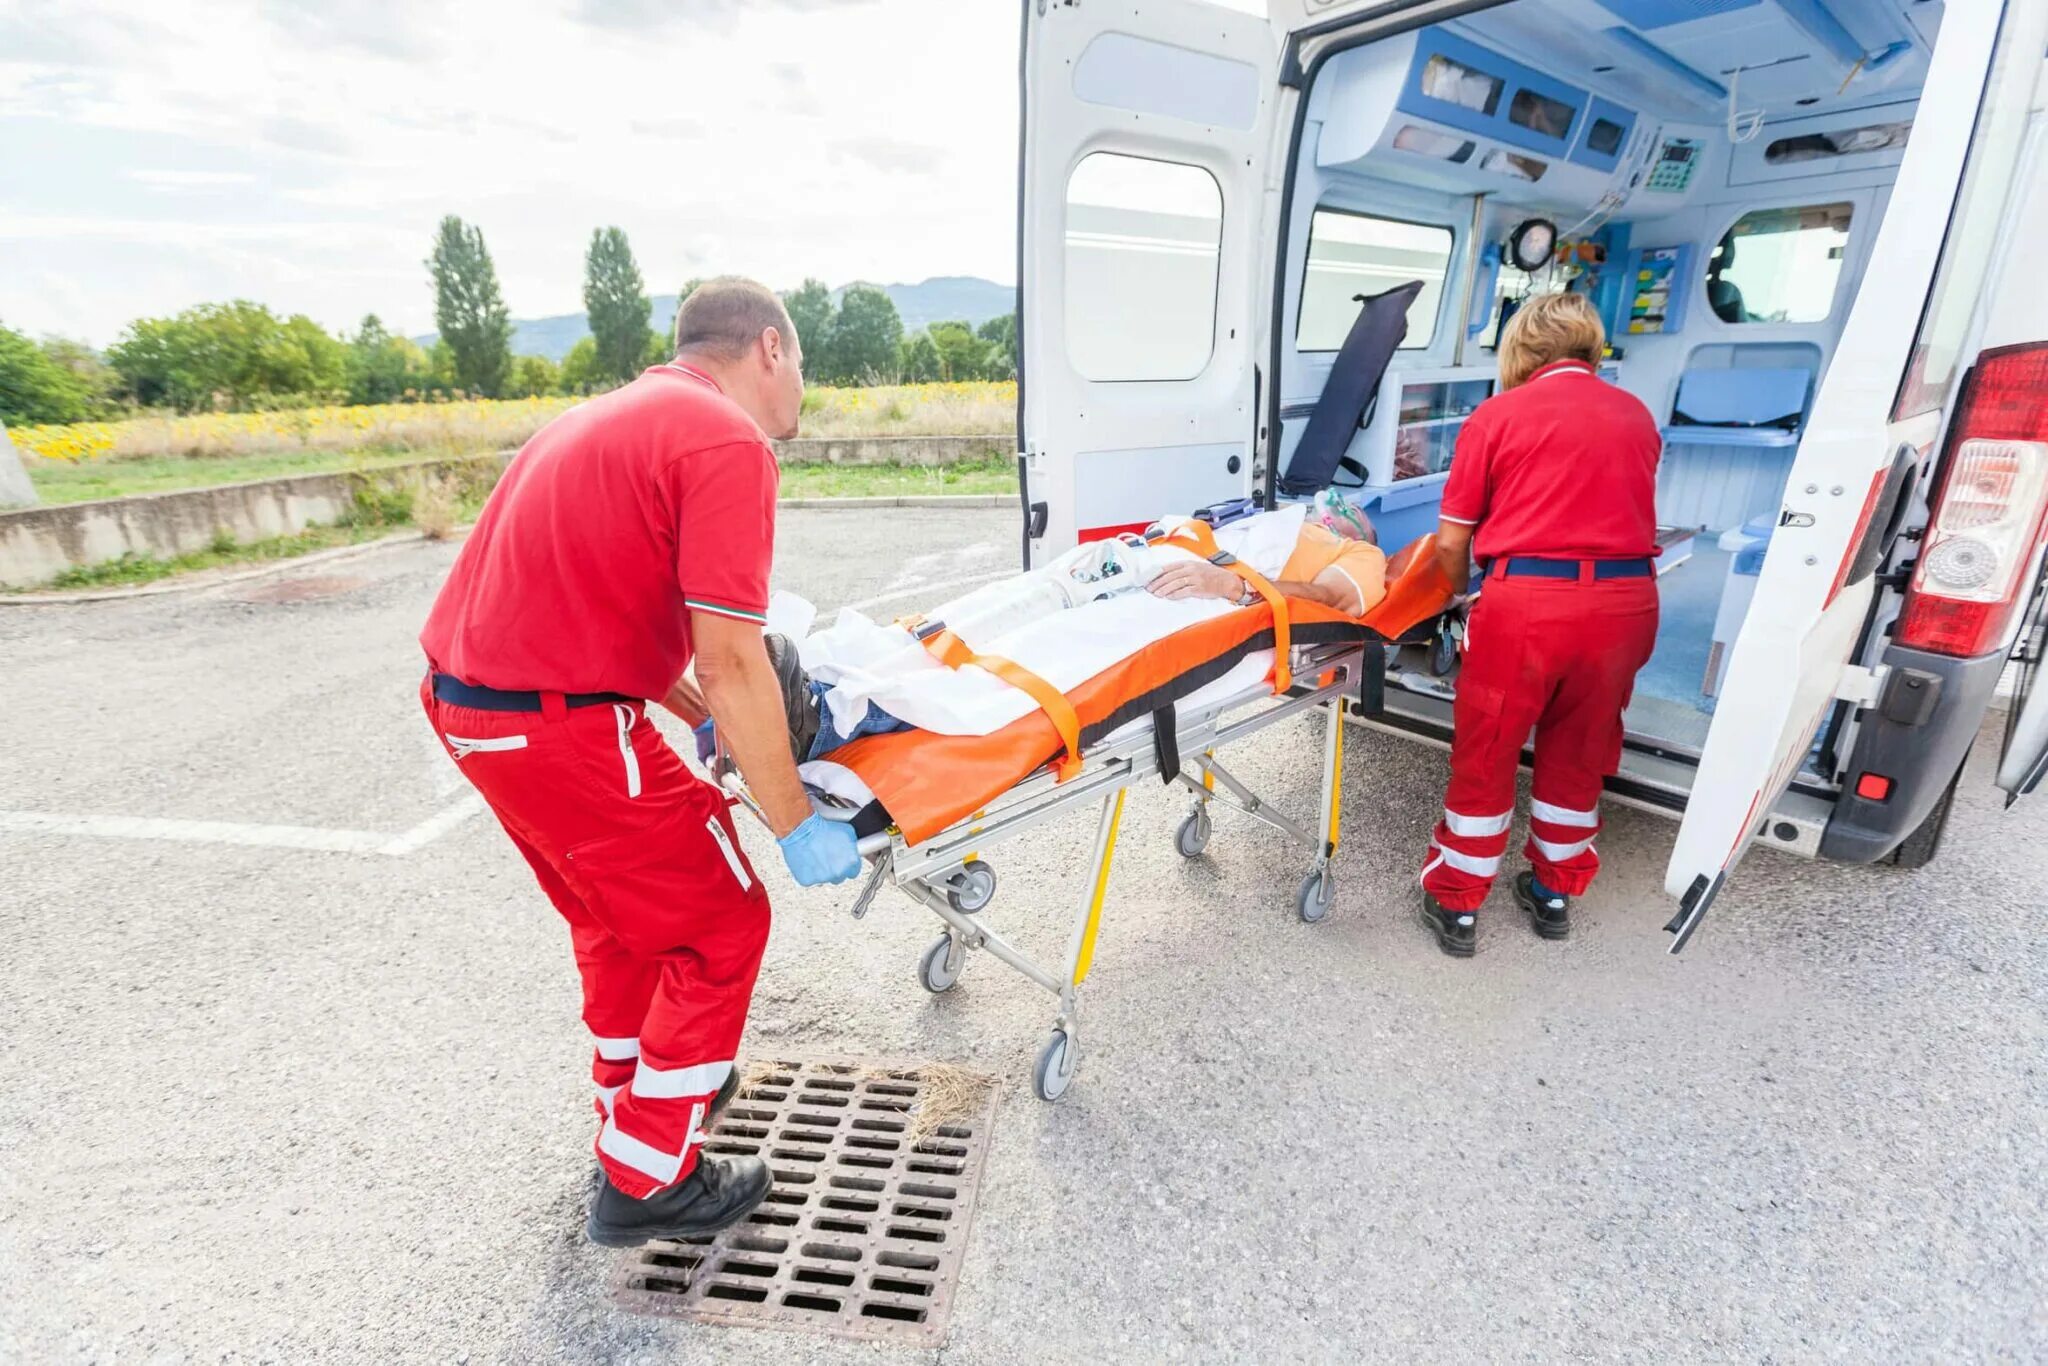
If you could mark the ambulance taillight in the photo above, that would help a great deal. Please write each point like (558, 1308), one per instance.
(1983, 547)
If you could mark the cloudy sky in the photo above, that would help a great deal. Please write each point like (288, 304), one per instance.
(300, 152)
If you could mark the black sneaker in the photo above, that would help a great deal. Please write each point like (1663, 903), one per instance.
(718, 1193)
(1551, 916)
(1456, 931)
(800, 711)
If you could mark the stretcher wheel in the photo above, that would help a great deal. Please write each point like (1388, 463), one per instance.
(976, 887)
(938, 969)
(1312, 902)
(1054, 1071)
(1193, 836)
(1443, 653)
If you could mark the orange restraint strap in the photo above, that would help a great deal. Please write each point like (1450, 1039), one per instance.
(1201, 538)
(954, 653)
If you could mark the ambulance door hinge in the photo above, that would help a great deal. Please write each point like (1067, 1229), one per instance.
(1860, 685)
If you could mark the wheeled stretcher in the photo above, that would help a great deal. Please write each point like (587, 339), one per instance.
(936, 804)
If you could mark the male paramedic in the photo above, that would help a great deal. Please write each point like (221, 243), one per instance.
(1554, 486)
(630, 537)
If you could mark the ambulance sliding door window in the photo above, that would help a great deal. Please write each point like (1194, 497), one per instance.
(1350, 254)
(1142, 243)
(1779, 265)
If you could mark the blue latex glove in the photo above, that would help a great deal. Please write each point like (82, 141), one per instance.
(706, 743)
(821, 851)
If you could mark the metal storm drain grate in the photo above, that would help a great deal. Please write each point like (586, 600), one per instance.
(876, 1170)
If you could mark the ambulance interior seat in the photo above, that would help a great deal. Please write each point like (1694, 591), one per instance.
(1725, 296)
(1749, 406)
(1377, 331)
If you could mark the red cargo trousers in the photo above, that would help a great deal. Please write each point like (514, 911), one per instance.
(1559, 656)
(666, 916)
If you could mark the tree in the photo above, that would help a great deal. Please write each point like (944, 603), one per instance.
(615, 302)
(658, 350)
(810, 310)
(35, 388)
(533, 376)
(381, 367)
(233, 352)
(468, 309)
(97, 380)
(1001, 334)
(579, 374)
(865, 337)
(921, 361)
(962, 355)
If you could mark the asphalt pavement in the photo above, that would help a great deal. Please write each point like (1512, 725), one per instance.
(291, 1068)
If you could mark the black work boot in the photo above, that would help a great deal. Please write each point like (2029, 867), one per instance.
(1550, 915)
(718, 1193)
(727, 1089)
(1456, 931)
(800, 711)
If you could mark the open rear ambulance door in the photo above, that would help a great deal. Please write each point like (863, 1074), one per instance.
(1145, 141)
(1791, 661)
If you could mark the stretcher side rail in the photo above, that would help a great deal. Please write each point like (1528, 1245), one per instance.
(937, 872)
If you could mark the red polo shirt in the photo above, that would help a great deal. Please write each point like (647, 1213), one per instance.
(1562, 466)
(614, 522)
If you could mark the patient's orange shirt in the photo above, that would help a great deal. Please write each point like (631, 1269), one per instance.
(1320, 548)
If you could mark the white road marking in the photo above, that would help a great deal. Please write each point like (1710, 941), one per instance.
(240, 833)
(434, 826)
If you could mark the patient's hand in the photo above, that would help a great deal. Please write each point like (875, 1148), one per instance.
(1197, 579)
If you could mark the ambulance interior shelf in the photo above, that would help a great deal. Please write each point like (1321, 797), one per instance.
(1459, 116)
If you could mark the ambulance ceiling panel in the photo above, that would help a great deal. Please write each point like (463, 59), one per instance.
(1678, 58)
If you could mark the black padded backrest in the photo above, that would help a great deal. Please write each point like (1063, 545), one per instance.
(1354, 378)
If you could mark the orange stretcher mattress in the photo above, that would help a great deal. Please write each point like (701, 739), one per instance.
(927, 781)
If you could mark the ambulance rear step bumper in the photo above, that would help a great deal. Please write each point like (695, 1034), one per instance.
(1659, 782)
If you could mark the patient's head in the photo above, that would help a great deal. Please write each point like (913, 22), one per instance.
(1547, 329)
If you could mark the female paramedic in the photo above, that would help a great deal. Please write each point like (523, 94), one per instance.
(1553, 488)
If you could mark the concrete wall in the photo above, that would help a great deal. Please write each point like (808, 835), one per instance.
(893, 450)
(37, 544)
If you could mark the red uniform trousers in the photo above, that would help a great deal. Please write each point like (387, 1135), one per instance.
(1559, 656)
(666, 916)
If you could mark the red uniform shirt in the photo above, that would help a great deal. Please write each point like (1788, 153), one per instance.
(610, 525)
(1562, 467)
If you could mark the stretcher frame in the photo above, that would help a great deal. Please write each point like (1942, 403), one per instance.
(947, 876)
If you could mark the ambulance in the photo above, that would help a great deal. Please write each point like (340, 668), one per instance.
(1811, 227)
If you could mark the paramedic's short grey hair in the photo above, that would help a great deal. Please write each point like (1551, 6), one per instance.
(724, 317)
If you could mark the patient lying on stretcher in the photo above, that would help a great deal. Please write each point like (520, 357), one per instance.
(861, 678)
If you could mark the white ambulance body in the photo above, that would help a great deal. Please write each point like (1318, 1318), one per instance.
(1814, 228)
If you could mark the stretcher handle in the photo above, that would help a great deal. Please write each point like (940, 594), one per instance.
(877, 843)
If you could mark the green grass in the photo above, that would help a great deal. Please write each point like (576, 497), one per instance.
(131, 570)
(61, 482)
(87, 480)
(382, 508)
(992, 475)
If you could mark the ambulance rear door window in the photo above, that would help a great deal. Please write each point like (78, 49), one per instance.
(1143, 239)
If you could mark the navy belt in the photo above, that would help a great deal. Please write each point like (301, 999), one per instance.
(1529, 567)
(463, 694)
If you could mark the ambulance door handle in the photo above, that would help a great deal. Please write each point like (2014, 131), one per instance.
(1035, 528)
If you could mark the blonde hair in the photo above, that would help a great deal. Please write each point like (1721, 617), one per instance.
(1549, 328)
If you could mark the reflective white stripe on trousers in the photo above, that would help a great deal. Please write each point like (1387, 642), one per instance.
(1563, 815)
(1467, 863)
(617, 1050)
(1558, 853)
(652, 1083)
(1476, 827)
(641, 1157)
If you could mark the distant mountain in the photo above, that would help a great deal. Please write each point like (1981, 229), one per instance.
(940, 299)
